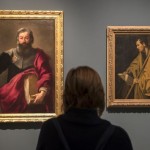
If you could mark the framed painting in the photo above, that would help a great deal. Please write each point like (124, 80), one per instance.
(31, 65)
(128, 66)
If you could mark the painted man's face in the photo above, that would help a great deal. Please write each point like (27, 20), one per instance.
(140, 46)
(24, 39)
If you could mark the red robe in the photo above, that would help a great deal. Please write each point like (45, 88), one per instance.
(12, 99)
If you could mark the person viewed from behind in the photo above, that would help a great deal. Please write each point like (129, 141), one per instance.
(81, 127)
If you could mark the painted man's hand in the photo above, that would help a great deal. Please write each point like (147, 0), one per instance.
(39, 97)
(135, 81)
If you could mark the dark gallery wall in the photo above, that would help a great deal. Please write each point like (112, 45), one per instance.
(85, 23)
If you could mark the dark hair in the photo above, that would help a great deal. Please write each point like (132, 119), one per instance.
(143, 39)
(21, 30)
(83, 89)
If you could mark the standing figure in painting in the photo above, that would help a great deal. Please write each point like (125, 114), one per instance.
(137, 75)
(29, 77)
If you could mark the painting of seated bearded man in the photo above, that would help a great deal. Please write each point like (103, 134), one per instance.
(29, 80)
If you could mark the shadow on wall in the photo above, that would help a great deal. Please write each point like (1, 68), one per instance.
(128, 110)
(27, 125)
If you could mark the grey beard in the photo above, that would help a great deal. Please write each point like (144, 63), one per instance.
(24, 50)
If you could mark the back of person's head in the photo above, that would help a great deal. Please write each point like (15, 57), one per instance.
(83, 89)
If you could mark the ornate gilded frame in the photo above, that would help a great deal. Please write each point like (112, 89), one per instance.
(121, 50)
(39, 20)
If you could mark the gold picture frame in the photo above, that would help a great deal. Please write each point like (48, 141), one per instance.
(47, 28)
(127, 76)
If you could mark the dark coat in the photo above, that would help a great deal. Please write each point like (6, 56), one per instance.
(82, 129)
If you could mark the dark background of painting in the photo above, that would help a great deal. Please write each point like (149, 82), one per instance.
(85, 23)
(125, 52)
